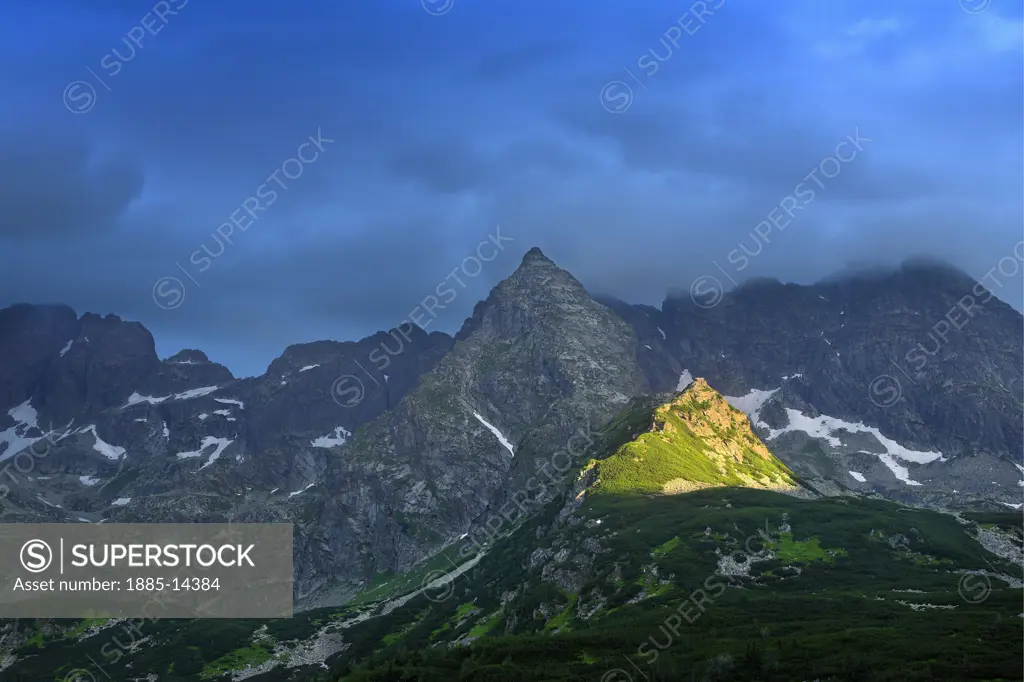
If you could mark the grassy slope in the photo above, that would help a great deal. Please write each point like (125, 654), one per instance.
(840, 618)
(697, 438)
(824, 607)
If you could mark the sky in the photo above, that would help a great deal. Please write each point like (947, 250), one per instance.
(355, 154)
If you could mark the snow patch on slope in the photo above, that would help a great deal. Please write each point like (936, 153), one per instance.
(25, 418)
(196, 392)
(66, 348)
(685, 379)
(493, 429)
(229, 401)
(299, 492)
(135, 399)
(308, 367)
(338, 437)
(220, 444)
(825, 428)
(104, 448)
(857, 476)
(751, 404)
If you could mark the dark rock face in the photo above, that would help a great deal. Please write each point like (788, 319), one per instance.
(107, 360)
(30, 337)
(535, 362)
(345, 385)
(108, 431)
(925, 354)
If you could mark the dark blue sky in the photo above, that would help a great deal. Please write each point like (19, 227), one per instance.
(128, 135)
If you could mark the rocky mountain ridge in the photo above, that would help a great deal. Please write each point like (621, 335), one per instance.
(383, 451)
(924, 354)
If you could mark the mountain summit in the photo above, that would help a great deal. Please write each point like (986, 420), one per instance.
(537, 361)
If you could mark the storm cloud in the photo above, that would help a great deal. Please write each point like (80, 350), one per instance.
(637, 144)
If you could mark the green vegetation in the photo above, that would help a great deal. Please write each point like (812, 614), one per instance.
(394, 637)
(83, 626)
(254, 655)
(390, 585)
(1013, 521)
(832, 602)
(563, 619)
(803, 551)
(464, 610)
(485, 625)
(651, 585)
(746, 633)
(665, 547)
